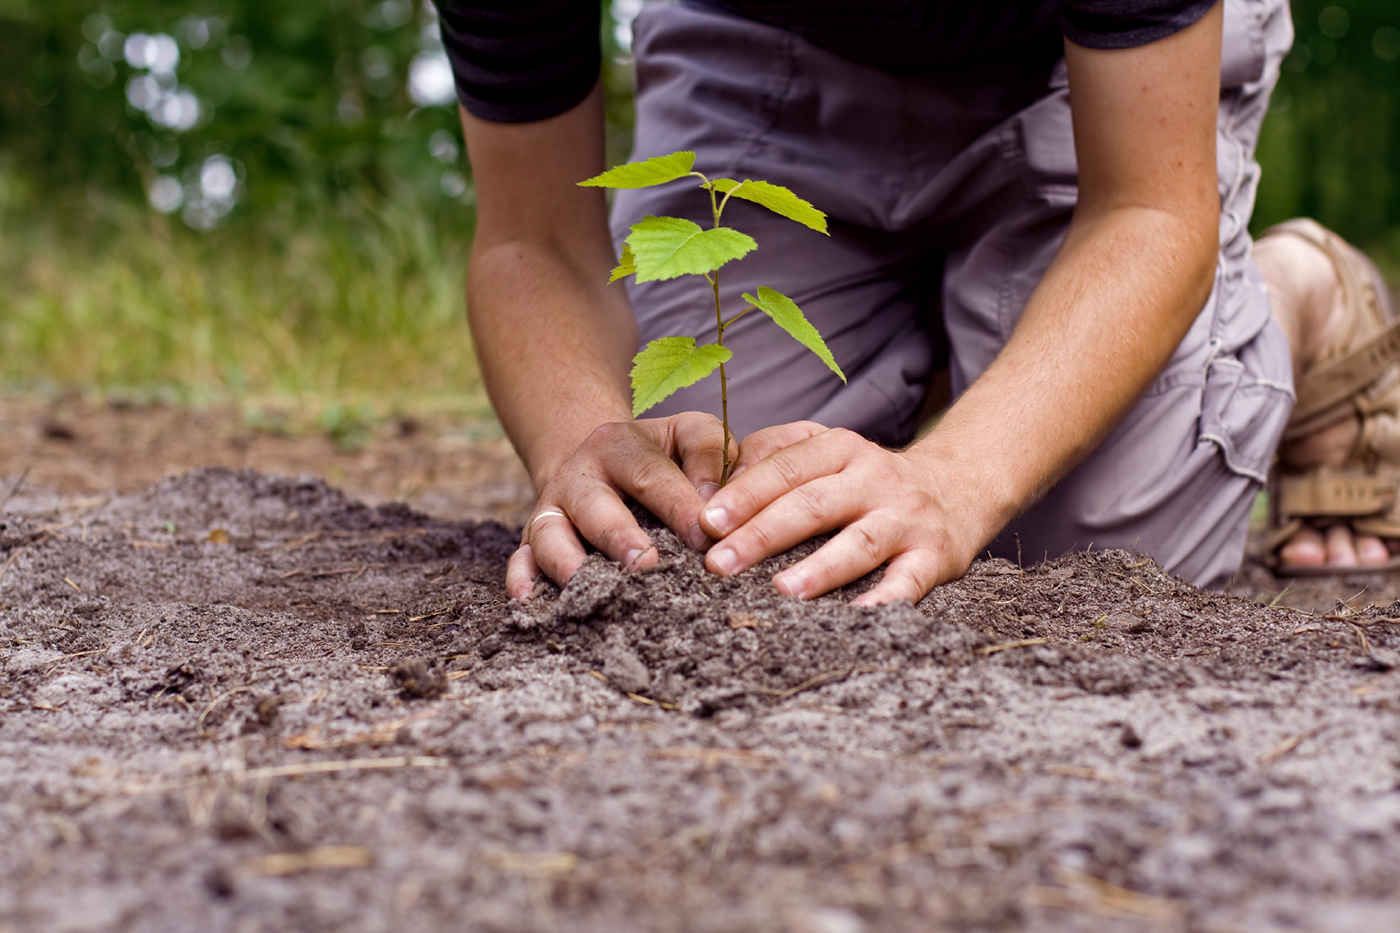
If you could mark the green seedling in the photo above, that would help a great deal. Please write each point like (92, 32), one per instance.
(668, 247)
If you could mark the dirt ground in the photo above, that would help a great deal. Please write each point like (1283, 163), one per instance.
(233, 700)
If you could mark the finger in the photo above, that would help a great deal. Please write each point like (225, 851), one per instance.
(521, 573)
(600, 515)
(857, 550)
(810, 509)
(776, 475)
(768, 441)
(908, 578)
(698, 441)
(644, 472)
(554, 547)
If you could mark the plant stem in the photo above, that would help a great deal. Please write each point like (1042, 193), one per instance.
(717, 208)
(739, 315)
(723, 388)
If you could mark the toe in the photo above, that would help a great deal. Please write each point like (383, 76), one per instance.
(1371, 551)
(1304, 549)
(1341, 547)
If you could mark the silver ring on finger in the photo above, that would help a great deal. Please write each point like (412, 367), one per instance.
(547, 513)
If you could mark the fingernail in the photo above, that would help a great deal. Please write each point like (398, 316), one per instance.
(696, 537)
(791, 584)
(629, 560)
(719, 519)
(706, 490)
(726, 560)
(737, 471)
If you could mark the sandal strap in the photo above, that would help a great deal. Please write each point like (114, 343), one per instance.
(1335, 382)
(1323, 392)
(1336, 495)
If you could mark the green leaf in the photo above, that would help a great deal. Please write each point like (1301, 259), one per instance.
(626, 265)
(665, 247)
(671, 363)
(776, 198)
(654, 171)
(787, 315)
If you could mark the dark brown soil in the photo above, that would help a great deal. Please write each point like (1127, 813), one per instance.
(451, 467)
(232, 701)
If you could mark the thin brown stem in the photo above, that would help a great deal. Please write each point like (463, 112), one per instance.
(716, 208)
(739, 315)
(727, 195)
(723, 386)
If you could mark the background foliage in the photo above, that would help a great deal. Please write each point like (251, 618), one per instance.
(1331, 144)
(247, 196)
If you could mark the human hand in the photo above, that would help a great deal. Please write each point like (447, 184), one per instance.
(669, 465)
(797, 480)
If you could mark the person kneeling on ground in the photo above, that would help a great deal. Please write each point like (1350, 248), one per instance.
(1041, 205)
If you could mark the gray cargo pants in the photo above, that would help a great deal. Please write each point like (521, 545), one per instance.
(948, 196)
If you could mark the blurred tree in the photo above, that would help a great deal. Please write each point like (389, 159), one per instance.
(203, 103)
(1331, 144)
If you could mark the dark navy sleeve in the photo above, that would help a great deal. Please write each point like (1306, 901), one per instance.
(1124, 24)
(517, 61)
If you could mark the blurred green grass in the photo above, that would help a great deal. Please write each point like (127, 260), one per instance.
(335, 285)
(359, 301)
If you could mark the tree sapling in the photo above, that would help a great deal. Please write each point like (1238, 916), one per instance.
(668, 247)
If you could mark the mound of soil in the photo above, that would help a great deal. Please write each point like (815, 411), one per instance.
(233, 701)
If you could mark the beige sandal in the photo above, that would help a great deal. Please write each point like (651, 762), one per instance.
(1360, 379)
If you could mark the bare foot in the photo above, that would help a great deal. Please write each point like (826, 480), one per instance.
(1308, 303)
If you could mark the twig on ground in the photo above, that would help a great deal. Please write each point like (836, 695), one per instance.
(1288, 744)
(305, 769)
(17, 552)
(533, 864)
(1078, 771)
(713, 756)
(77, 654)
(817, 681)
(636, 697)
(1023, 643)
(293, 863)
(1371, 685)
(14, 490)
(1361, 634)
(381, 734)
(648, 701)
(1086, 892)
(294, 544)
(199, 723)
(319, 571)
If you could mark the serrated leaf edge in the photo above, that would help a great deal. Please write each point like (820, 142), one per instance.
(825, 355)
(724, 356)
(601, 180)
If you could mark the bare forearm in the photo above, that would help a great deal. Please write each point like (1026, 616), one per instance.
(554, 350)
(1106, 318)
(1134, 271)
(554, 339)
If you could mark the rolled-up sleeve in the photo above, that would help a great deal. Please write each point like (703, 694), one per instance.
(517, 61)
(1125, 24)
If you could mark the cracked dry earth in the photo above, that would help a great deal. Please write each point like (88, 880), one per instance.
(233, 701)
